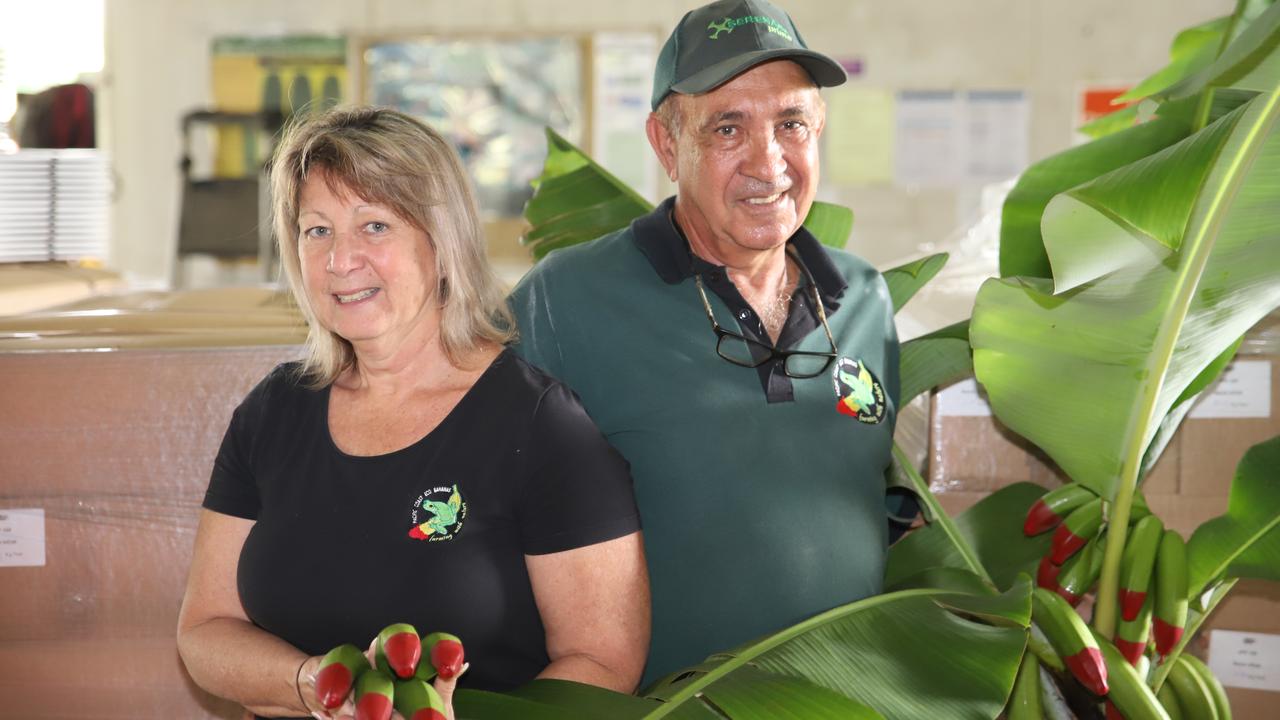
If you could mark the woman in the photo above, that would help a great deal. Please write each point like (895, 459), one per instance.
(411, 468)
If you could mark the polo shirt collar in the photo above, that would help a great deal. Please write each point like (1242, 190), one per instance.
(666, 249)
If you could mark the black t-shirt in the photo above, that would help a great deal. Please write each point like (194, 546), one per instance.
(434, 534)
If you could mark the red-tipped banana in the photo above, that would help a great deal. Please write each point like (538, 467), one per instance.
(1056, 504)
(1047, 574)
(446, 653)
(1079, 527)
(1070, 638)
(1136, 564)
(398, 650)
(1171, 592)
(338, 671)
(1131, 635)
(374, 693)
(1129, 698)
(417, 700)
(1081, 572)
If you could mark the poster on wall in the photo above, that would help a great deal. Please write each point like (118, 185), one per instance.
(285, 74)
(492, 97)
(622, 83)
(946, 138)
(859, 136)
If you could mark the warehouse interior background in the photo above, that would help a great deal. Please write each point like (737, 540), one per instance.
(156, 66)
(946, 103)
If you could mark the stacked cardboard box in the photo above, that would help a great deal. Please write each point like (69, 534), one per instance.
(972, 454)
(109, 454)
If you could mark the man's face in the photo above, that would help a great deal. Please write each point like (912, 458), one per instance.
(745, 159)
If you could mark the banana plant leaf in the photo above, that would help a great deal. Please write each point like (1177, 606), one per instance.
(934, 360)
(1193, 50)
(1088, 373)
(921, 653)
(1244, 542)
(911, 654)
(576, 200)
(1021, 243)
(906, 280)
(1250, 62)
(992, 528)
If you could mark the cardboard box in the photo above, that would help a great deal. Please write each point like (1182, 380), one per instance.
(115, 449)
(1251, 616)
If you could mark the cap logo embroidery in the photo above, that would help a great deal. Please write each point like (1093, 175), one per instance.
(719, 27)
(728, 24)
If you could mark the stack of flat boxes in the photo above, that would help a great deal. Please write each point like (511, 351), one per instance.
(114, 451)
(971, 454)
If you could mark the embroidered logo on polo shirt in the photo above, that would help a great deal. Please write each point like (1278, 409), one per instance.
(858, 393)
(437, 514)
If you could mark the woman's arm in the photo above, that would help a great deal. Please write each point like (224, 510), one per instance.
(594, 603)
(223, 651)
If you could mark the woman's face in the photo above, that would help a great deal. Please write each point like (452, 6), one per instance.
(369, 274)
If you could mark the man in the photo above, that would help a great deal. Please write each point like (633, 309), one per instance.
(747, 374)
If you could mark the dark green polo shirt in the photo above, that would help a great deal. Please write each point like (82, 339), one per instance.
(762, 496)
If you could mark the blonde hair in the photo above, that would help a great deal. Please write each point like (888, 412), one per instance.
(387, 157)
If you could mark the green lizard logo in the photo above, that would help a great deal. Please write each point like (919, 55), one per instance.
(858, 393)
(719, 27)
(444, 515)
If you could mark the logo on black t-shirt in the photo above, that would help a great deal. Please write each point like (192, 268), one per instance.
(858, 392)
(437, 514)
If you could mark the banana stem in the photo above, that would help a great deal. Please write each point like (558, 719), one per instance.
(1107, 599)
(940, 516)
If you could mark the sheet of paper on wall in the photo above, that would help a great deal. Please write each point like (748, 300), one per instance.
(929, 139)
(22, 537)
(996, 146)
(1245, 659)
(623, 74)
(859, 135)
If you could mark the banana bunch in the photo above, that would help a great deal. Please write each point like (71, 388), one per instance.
(1153, 607)
(1153, 557)
(396, 679)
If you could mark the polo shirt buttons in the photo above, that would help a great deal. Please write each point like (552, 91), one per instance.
(744, 314)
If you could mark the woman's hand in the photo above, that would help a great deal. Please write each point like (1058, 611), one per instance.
(347, 711)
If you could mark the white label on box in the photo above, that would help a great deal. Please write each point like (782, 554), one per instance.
(1245, 659)
(1243, 391)
(963, 399)
(22, 537)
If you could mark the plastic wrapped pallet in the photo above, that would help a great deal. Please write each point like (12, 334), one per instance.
(104, 459)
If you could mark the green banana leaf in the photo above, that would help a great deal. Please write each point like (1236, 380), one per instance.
(1141, 309)
(1244, 542)
(934, 360)
(906, 280)
(576, 200)
(906, 654)
(1250, 62)
(913, 654)
(992, 528)
(1193, 50)
(1021, 243)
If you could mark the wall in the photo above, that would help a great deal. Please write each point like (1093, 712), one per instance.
(157, 67)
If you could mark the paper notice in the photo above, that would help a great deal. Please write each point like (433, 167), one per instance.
(1243, 391)
(1245, 659)
(22, 538)
(963, 399)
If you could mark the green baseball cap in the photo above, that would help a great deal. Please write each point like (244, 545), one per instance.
(716, 42)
